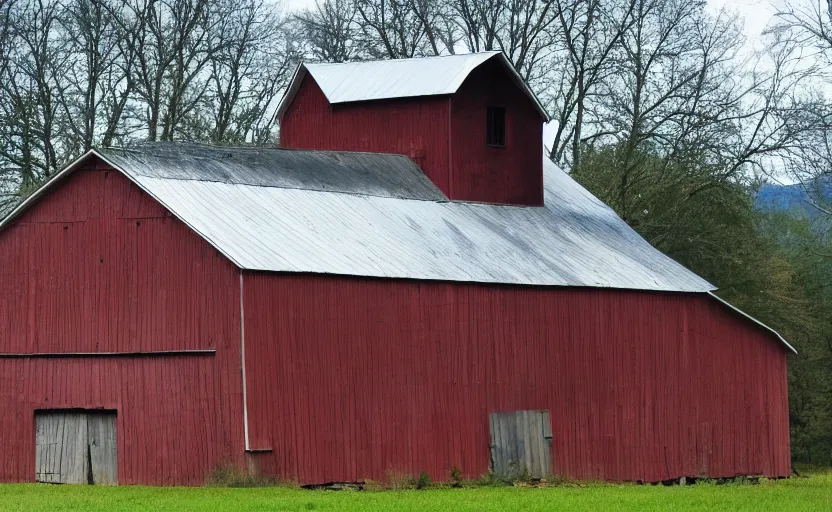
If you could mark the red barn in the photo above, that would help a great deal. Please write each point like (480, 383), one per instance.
(326, 316)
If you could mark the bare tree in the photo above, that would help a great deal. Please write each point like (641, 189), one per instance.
(32, 69)
(480, 20)
(96, 87)
(441, 30)
(803, 30)
(76, 74)
(523, 29)
(391, 29)
(173, 43)
(329, 30)
(248, 74)
(9, 174)
(589, 32)
(672, 64)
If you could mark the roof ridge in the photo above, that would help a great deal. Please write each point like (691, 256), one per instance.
(282, 187)
(428, 57)
(150, 145)
(349, 82)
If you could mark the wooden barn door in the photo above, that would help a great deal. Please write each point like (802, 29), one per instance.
(76, 447)
(521, 444)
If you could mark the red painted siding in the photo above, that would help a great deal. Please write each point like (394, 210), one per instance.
(352, 378)
(444, 135)
(512, 174)
(98, 266)
(418, 128)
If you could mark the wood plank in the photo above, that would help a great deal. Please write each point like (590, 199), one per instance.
(547, 442)
(55, 449)
(492, 429)
(508, 444)
(101, 434)
(53, 436)
(40, 445)
(73, 458)
(44, 443)
(524, 467)
(535, 429)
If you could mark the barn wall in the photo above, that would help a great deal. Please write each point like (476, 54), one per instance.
(97, 266)
(417, 128)
(352, 378)
(512, 174)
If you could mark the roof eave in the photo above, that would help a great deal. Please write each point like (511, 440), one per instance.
(73, 166)
(168, 208)
(759, 323)
(524, 86)
(289, 94)
(45, 187)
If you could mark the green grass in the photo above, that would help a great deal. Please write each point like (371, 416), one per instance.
(797, 494)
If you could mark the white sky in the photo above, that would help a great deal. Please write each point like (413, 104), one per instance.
(756, 12)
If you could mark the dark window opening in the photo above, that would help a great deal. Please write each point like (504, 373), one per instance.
(495, 134)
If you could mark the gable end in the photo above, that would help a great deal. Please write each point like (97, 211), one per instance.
(95, 160)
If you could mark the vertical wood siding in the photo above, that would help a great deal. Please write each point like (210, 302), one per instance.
(353, 378)
(512, 174)
(445, 136)
(98, 266)
(417, 128)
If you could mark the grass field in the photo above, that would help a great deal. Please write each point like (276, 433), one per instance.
(797, 494)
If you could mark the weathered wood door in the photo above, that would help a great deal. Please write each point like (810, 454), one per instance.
(521, 443)
(76, 447)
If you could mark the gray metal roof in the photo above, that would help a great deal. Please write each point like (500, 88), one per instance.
(263, 215)
(399, 78)
(273, 223)
(371, 174)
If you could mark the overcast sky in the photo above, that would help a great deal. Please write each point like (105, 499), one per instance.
(756, 12)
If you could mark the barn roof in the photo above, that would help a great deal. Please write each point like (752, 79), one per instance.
(399, 78)
(367, 174)
(376, 215)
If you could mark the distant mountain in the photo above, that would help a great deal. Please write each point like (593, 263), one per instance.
(774, 197)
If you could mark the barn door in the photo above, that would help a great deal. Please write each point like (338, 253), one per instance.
(61, 448)
(521, 444)
(75, 447)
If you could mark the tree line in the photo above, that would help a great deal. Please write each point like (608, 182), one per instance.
(75, 74)
(661, 107)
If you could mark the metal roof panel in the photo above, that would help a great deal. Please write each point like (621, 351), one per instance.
(574, 240)
(372, 174)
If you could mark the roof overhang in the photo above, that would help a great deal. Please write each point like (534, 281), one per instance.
(34, 196)
(754, 320)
